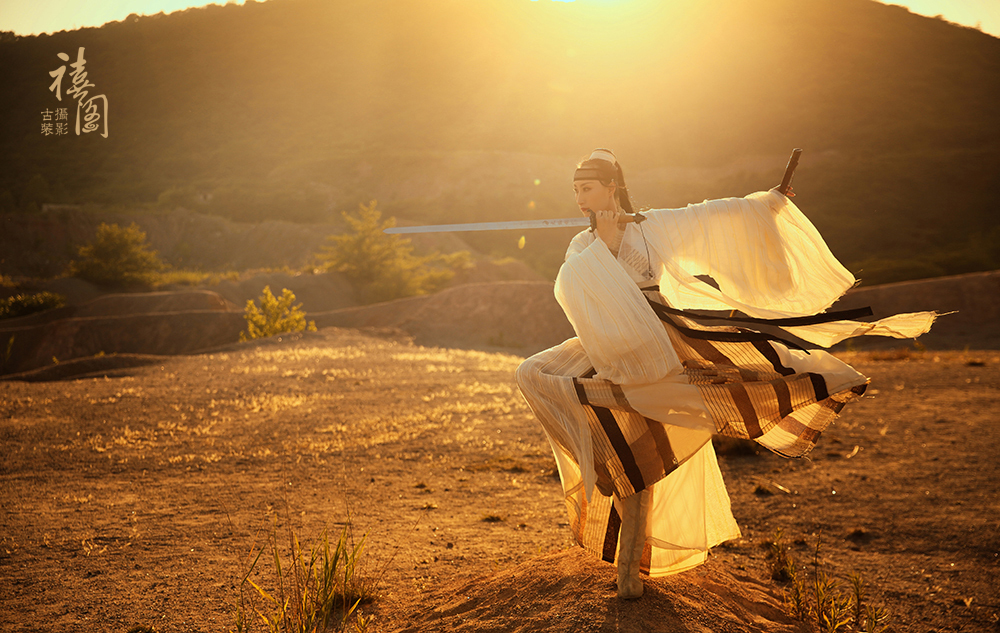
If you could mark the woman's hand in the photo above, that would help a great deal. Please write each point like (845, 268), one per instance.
(607, 227)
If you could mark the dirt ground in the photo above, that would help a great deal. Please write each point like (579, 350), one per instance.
(133, 496)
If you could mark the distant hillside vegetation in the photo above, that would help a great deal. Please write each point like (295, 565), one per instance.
(457, 110)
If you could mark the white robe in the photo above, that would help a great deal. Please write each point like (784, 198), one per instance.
(769, 262)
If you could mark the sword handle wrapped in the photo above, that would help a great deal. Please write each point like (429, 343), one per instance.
(786, 180)
(625, 219)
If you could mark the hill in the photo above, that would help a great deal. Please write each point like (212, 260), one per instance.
(449, 110)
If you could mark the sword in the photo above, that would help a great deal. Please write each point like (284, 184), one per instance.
(786, 181)
(512, 224)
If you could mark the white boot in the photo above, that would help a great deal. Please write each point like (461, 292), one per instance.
(631, 541)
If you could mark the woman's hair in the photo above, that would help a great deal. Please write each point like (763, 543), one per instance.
(603, 166)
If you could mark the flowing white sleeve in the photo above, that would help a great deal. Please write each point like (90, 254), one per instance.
(769, 262)
(621, 335)
(767, 257)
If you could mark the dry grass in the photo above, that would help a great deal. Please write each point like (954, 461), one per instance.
(312, 589)
(822, 598)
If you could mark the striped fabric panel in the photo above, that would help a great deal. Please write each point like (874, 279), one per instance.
(631, 452)
(595, 524)
(748, 392)
(647, 558)
(752, 395)
(596, 527)
(566, 360)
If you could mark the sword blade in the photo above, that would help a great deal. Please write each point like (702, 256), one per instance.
(493, 226)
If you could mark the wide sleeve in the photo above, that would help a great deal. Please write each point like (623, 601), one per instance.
(579, 243)
(766, 257)
(620, 334)
(768, 261)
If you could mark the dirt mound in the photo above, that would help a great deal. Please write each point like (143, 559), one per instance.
(573, 592)
(127, 303)
(486, 270)
(317, 293)
(163, 333)
(160, 323)
(524, 315)
(974, 297)
(108, 365)
(151, 302)
(76, 291)
(521, 315)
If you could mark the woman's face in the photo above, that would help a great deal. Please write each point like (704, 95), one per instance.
(592, 195)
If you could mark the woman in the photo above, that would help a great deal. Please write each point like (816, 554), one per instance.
(630, 404)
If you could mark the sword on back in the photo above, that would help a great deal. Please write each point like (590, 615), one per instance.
(556, 223)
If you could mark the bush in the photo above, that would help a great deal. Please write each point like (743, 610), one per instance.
(383, 267)
(117, 257)
(24, 304)
(275, 316)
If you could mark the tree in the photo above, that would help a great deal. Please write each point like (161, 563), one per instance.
(117, 257)
(274, 316)
(383, 267)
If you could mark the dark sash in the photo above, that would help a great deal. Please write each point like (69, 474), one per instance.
(664, 312)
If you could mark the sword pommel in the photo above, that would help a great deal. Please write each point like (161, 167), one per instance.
(793, 162)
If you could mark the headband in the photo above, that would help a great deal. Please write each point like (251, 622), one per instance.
(604, 154)
(601, 165)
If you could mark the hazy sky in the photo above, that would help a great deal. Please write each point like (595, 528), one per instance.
(29, 17)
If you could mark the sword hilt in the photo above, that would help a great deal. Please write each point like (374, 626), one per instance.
(626, 218)
(786, 180)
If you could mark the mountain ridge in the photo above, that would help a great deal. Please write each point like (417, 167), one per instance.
(300, 109)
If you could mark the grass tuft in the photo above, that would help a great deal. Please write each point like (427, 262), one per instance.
(316, 588)
(823, 600)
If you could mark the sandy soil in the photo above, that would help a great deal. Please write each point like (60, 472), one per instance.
(133, 496)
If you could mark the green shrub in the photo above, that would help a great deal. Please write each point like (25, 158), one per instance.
(117, 257)
(24, 304)
(383, 267)
(274, 316)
